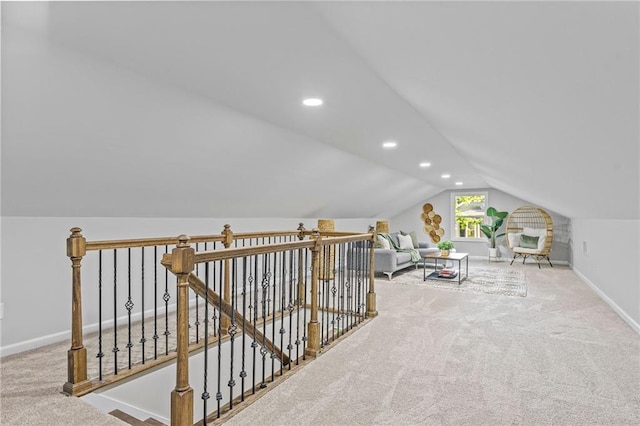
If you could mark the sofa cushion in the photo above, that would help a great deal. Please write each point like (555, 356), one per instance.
(403, 257)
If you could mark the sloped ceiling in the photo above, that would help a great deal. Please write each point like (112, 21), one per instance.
(191, 109)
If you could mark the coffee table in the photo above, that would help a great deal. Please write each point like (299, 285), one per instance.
(459, 257)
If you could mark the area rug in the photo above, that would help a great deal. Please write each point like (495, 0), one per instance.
(482, 279)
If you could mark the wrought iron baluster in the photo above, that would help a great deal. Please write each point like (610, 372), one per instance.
(273, 313)
(254, 343)
(205, 394)
(155, 302)
(129, 306)
(290, 304)
(304, 304)
(233, 329)
(115, 312)
(166, 296)
(283, 277)
(219, 392)
(142, 339)
(100, 354)
(243, 372)
(265, 295)
(197, 323)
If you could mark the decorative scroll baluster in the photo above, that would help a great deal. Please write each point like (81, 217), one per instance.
(142, 339)
(243, 372)
(265, 295)
(129, 307)
(219, 392)
(254, 343)
(166, 296)
(233, 329)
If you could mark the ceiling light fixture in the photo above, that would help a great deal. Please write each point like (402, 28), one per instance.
(390, 144)
(445, 176)
(425, 164)
(458, 183)
(312, 102)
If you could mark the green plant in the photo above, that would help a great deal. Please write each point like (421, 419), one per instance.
(497, 218)
(445, 245)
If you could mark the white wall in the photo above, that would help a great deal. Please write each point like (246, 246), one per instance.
(610, 265)
(36, 273)
(410, 221)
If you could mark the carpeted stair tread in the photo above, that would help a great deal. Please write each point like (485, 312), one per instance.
(127, 418)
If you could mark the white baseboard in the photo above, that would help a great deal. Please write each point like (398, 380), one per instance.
(634, 325)
(50, 339)
(38, 342)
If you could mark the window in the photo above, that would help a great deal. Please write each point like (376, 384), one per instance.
(468, 209)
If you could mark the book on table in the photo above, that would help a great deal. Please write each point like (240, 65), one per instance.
(447, 273)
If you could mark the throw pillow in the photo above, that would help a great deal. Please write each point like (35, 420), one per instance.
(414, 238)
(527, 241)
(394, 238)
(384, 243)
(514, 239)
(405, 241)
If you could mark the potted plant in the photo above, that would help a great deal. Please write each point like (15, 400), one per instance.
(490, 231)
(444, 247)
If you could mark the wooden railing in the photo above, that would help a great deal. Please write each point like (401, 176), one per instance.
(241, 285)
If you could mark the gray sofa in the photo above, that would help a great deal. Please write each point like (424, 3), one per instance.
(388, 261)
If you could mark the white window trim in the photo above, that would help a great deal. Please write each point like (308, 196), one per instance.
(452, 215)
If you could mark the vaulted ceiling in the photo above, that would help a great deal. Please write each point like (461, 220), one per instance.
(193, 109)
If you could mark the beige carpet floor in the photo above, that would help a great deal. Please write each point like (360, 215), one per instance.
(559, 356)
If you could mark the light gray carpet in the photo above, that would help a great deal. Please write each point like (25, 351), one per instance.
(559, 356)
(481, 278)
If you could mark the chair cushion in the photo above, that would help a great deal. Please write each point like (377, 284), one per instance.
(514, 239)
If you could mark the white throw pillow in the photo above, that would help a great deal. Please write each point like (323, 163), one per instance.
(384, 242)
(405, 241)
(514, 239)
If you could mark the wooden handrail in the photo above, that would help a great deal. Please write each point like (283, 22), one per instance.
(170, 241)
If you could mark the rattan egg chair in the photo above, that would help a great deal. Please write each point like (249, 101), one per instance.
(529, 232)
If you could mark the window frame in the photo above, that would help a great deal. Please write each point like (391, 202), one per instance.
(452, 208)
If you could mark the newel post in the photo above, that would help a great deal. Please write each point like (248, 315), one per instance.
(77, 355)
(182, 263)
(371, 295)
(313, 345)
(225, 322)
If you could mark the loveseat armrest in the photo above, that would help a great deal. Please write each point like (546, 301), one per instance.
(385, 260)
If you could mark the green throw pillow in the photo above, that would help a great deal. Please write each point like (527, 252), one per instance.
(529, 242)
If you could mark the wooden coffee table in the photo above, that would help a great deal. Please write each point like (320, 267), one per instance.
(459, 257)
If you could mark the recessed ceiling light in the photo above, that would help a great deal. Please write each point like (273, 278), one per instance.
(458, 183)
(425, 164)
(445, 176)
(390, 144)
(312, 102)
